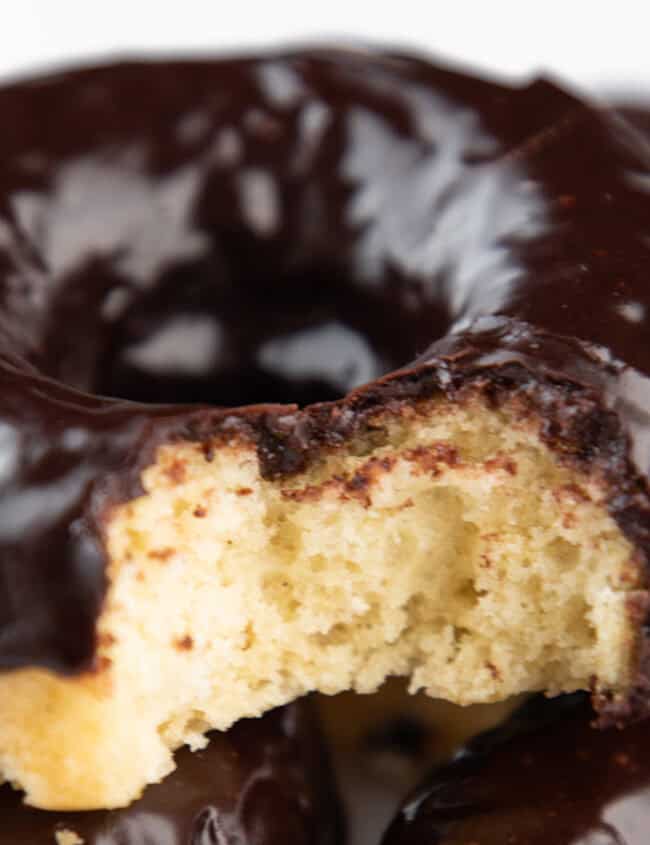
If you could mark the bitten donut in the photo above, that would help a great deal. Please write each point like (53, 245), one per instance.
(546, 776)
(263, 782)
(234, 242)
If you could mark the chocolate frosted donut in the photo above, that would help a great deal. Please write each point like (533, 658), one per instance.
(264, 781)
(278, 230)
(545, 776)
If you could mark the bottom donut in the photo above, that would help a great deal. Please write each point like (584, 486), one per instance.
(265, 781)
(545, 776)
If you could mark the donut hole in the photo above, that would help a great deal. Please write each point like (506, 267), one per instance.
(301, 337)
(222, 246)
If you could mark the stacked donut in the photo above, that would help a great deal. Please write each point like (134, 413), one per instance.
(316, 368)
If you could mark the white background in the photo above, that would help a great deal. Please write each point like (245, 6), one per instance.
(597, 43)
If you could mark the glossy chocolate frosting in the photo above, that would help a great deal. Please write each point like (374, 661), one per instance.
(265, 781)
(281, 229)
(544, 777)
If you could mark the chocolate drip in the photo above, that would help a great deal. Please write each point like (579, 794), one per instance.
(281, 229)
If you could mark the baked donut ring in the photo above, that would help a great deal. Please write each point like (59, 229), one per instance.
(283, 229)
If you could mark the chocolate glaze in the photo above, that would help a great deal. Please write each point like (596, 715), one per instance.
(281, 228)
(263, 782)
(544, 777)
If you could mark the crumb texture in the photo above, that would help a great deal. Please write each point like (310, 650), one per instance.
(67, 837)
(447, 545)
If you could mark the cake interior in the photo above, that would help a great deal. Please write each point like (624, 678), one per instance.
(445, 543)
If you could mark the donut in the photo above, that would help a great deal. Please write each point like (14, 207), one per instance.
(544, 776)
(315, 368)
(262, 782)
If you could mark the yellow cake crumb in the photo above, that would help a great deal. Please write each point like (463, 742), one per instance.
(448, 545)
(68, 837)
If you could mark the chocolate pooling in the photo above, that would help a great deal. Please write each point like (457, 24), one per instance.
(279, 229)
(265, 780)
(544, 776)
